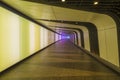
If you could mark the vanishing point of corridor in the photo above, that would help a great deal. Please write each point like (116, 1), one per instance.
(61, 61)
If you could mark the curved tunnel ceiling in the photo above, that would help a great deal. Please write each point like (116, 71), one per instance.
(103, 6)
(42, 11)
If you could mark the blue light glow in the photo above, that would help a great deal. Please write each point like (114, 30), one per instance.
(65, 37)
(68, 37)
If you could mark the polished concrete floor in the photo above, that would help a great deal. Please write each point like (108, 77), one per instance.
(61, 61)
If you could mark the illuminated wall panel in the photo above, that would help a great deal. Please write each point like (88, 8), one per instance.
(45, 37)
(32, 38)
(9, 39)
(56, 37)
(60, 37)
(37, 38)
(20, 38)
(42, 38)
(24, 38)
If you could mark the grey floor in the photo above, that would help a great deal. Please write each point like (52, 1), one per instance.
(61, 61)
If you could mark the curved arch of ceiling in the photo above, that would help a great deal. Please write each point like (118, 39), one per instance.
(84, 29)
(80, 39)
(54, 24)
(60, 28)
(78, 32)
(70, 29)
(42, 11)
(57, 25)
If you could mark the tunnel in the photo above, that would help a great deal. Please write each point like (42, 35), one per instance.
(59, 40)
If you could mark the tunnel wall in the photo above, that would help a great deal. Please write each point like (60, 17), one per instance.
(107, 36)
(108, 44)
(86, 38)
(20, 38)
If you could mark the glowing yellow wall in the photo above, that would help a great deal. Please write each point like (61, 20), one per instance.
(9, 39)
(44, 37)
(20, 38)
(34, 37)
(29, 38)
(24, 38)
